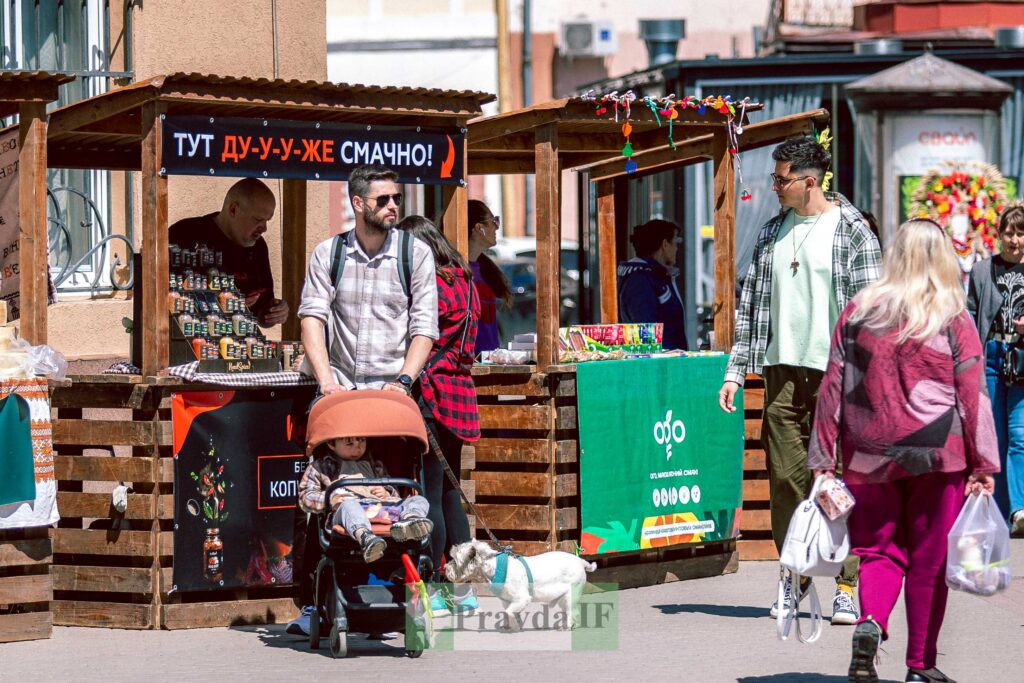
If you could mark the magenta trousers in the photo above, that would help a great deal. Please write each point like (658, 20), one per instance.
(899, 529)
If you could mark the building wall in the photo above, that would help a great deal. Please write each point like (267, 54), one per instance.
(200, 36)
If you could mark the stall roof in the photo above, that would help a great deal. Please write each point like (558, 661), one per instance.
(28, 86)
(505, 143)
(106, 131)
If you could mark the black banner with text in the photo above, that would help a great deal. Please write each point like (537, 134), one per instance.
(310, 150)
(236, 475)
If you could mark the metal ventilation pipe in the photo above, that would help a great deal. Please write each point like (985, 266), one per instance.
(880, 46)
(1010, 38)
(662, 37)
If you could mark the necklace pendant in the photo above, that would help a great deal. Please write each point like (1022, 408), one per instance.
(795, 265)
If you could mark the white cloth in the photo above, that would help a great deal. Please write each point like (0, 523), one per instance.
(43, 510)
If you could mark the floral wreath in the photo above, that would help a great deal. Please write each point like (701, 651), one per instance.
(976, 188)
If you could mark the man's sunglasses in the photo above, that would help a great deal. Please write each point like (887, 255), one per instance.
(382, 200)
(783, 181)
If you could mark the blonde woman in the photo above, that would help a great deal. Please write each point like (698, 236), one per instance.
(904, 396)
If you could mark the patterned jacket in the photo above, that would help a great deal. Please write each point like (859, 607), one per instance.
(903, 410)
(315, 480)
(856, 262)
(447, 386)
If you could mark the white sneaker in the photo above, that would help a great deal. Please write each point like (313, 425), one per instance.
(299, 626)
(787, 601)
(844, 610)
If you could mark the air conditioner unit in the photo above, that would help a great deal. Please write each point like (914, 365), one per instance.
(587, 38)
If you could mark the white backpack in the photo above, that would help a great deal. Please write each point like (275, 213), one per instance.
(815, 546)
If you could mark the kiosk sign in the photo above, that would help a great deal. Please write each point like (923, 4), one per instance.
(659, 464)
(310, 150)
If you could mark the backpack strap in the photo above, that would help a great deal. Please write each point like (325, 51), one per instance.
(405, 245)
(338, 253)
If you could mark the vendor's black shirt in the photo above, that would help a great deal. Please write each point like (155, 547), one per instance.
(249, 265)
(1009, 279)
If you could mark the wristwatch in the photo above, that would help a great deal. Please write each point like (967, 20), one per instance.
(405, 381)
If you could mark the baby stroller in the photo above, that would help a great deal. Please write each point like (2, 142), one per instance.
(344, 602)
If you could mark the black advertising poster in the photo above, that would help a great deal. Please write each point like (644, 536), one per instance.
(236, 476)
(274, 148)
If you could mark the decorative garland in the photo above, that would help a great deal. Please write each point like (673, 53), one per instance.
(976, 189)
(668, 108)
(824, 139)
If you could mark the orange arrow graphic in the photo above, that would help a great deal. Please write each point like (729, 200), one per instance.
(449, 161)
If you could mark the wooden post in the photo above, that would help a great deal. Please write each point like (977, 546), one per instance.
(155, 258)
(293, 251)
(32, 221)
(725, 244)
(606, 255)
(456, 217)
(548, 183)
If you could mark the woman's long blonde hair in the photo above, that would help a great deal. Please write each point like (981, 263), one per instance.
(920, 290)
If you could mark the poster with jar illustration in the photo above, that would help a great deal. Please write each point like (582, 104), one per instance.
(236, 475)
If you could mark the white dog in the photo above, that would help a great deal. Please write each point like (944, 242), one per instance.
(557, 578)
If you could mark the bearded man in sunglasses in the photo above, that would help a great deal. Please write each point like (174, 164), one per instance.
(809, 262)
(373, 292)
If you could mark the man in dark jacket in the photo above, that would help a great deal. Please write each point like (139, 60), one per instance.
(647, 282)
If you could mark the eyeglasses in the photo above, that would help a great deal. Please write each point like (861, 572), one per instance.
(383, 199)
(782, 181)
(497, 222)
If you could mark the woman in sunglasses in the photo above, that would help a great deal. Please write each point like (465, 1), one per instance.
(487, 276)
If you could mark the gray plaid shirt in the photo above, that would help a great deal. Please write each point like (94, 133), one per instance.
(369, 319)
(856, 262)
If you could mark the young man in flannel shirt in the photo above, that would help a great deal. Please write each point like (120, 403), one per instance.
(809, 261)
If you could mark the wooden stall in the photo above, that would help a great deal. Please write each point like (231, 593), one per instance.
(114, 569)
(25, 554)
(526, 472)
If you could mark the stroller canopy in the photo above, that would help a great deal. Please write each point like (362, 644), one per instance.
(367, 412)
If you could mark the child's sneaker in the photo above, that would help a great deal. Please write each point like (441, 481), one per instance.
(438, 604)
(411, 529)
(373, 546)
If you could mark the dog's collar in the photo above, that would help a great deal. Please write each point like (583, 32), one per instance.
(501, 571)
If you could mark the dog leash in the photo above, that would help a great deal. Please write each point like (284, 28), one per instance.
(454, 479)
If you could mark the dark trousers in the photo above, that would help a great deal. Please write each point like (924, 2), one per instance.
(790, 397)
(305, 555)
(451, 526)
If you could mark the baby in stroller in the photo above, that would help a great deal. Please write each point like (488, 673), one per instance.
(348, 458)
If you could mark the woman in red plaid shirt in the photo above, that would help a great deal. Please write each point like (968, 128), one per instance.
(449, 396)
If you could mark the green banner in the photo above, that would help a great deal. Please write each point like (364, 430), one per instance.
(660, 463)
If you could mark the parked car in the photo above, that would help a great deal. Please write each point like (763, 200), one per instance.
(517, 257)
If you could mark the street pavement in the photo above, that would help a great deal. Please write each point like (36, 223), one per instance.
(714, 629)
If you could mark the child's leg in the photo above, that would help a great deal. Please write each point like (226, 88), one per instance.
(351, 515)
(414, 506)
(413, 524)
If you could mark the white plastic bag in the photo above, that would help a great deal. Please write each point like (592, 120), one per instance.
(978, 551)
(47, 361)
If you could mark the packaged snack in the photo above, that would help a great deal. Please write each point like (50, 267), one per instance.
(834, 498)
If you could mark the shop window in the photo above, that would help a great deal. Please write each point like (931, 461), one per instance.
(68, 36)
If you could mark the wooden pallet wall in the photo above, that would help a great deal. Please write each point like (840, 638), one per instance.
(26, 588)
(755, 541)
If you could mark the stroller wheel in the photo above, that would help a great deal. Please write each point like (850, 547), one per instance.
(339, 642)
(413, 654)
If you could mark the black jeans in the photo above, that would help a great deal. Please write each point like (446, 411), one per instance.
(451, 526)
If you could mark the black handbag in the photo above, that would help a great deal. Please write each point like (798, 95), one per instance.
(1013, 364)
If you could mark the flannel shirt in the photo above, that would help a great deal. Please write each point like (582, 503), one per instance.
(314, 483)
(369, 319)
(447, 386)
(856, 263)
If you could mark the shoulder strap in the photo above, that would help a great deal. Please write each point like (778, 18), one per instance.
(405, 246)
(461, 333)
(338, 253)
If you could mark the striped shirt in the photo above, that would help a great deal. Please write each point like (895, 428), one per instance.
(370, 320)
(856, 263)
